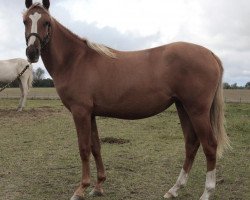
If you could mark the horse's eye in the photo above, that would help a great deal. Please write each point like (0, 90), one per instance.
(25, 22)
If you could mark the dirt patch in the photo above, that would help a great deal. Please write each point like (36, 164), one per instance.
(112, 140)
(29, 113)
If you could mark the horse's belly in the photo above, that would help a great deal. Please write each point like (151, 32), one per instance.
(134, 108)
(7, 76)
(8, 72)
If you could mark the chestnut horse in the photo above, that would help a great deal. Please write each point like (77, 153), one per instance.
(94, 80)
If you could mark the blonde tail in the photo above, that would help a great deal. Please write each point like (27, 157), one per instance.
(217, 117)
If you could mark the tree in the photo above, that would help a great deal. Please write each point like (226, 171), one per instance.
(226, 86)
(39, 74)
(40, 81)
(247, 86)
(234, 86)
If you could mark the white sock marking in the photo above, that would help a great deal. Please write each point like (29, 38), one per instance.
(34, 18)
(209, 185)
(181, 181)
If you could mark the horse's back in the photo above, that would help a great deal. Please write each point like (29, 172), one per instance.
(11, 63)
(9, 69)
(174, 66)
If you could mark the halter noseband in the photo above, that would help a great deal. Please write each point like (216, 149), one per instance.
(44, 41)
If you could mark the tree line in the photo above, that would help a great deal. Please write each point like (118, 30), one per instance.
(235, 86)
(39, 80)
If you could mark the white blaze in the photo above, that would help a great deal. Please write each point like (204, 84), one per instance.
(34, 18)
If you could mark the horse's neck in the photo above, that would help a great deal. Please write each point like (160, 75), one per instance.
(62, 49)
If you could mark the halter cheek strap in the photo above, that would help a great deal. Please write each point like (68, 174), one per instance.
(44, 41)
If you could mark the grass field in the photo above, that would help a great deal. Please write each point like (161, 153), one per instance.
(39, 155)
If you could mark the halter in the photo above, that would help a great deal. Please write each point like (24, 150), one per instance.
(44, 41)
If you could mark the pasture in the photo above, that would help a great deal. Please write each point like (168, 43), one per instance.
(39, 155)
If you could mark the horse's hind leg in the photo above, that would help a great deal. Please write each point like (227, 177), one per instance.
(96, 151)
(203, 128)
(191, 145)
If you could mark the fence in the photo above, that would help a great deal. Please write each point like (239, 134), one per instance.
(30, 96)
(35, 93)
(230, 96)
(237, 96)
(236, 100)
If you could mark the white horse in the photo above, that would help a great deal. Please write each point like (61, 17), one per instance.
(10, 69)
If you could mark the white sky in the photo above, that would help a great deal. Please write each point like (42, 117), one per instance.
(223, 26)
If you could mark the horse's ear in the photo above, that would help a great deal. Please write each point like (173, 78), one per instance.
(28, 3)
(46, 4)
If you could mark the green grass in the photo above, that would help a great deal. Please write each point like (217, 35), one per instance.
(39, 155)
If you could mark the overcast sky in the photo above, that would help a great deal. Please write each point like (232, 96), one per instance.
(223, 26)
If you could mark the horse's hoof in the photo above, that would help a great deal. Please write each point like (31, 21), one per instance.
(96, 193)
(168, 195)
(204, 198)
(76, 197)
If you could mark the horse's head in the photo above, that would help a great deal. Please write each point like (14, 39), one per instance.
(37, 23)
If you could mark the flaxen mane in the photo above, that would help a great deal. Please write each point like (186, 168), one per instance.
(99, 48)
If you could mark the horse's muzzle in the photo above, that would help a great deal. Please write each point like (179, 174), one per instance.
(32, 53)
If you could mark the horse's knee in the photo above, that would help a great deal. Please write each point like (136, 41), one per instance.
(96, 151)
(211, 158)
(84, 153)
(85, 183)
(101, 177)
(210, 150)
(191, 150)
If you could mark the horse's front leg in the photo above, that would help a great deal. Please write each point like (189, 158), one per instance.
(23, 83)
(19, 108)
(82, 119)
(96, 151)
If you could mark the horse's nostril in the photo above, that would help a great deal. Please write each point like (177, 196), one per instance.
(38, 51)
(32, 53)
